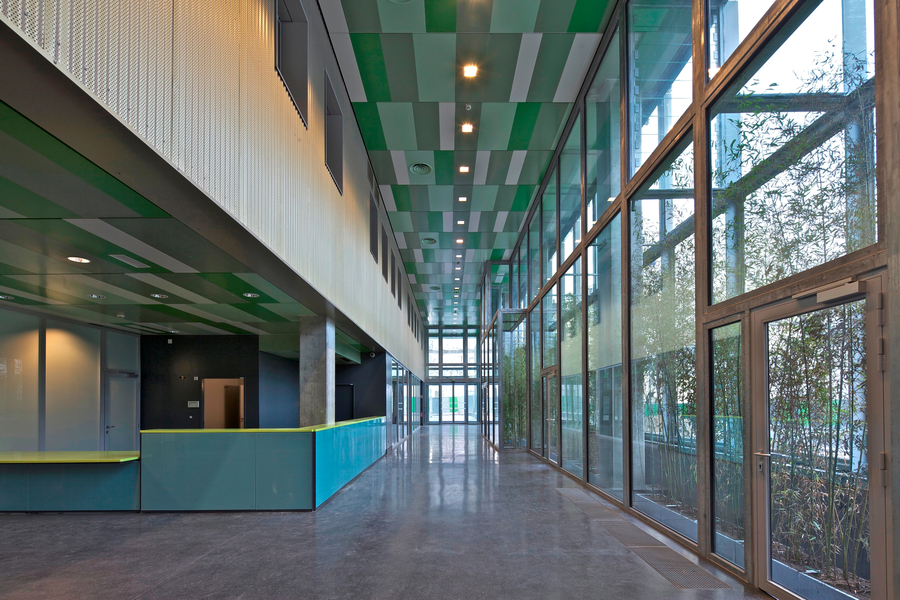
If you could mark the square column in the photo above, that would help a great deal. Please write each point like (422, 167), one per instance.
(316, 371)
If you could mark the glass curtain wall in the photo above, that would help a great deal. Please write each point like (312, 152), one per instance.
(453, 379)
(696, 218)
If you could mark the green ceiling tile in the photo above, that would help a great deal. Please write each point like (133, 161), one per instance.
(523, 197)
(418, 196)
(498, 167)
(401, 197)
(400, 63)
(514, 16)
(435, 221)
(28, 204)
(472, 116)
(402, 17)
(428, 135)
(235, 285)
(523, 125)
(370, 125)
(473, 15)
(555, 15)
(401, 222)
(512, 225)
(546, 129)
(418, 220)
(428, 256)
(506, 195)
(472, 49)
(440, 16)
(26, 132)
(484, 197)
(534, 167)
(258, 311)
(383, 165)
(362, 16)
(444, 167)
(588, 16)
(435, 67)
(497, 255)
(548, 67)
(372, 70)
(440, 197)
(496, 125)
(398, 124)
(500, 66)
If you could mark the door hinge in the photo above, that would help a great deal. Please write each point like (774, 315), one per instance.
(880, 355)
(883, 467)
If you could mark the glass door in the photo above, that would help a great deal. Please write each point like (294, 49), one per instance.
(459, 403)
(821, 501)
(551, 410)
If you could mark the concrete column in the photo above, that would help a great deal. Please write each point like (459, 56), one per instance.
(316, 371)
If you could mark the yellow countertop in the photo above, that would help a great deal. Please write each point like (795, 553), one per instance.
(67, 457)
(308, 429)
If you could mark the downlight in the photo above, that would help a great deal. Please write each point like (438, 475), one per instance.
(159, 296)
(429, 241)
(96, 296)
(420, 169)
(250, 295)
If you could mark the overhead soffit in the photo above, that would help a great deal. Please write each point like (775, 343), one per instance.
(54, 204)
(403, 66)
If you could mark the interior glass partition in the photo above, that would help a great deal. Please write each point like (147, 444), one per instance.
(453, 381)
(663, 348)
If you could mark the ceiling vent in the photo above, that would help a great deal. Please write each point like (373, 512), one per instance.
(420, 169)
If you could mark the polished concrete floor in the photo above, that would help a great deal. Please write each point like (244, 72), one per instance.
(443, 516)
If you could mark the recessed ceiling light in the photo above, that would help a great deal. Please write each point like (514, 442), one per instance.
(250, 295)
(96, 296)
(467, 128)
(5, 297)
(459, 241)
(121, 315)
(462, 198)
(457, 279)
(464, 169)
(429, 241)
(160, 296)
(458, 269)
(460, 222)
(459, 256)
(470, 70)
(79, 259)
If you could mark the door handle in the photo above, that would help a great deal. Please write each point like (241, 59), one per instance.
(762, 454)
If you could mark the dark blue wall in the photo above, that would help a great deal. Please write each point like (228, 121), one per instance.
(370, 380)
(279, 391)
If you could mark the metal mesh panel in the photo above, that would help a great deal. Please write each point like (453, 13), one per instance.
(630, 535)
(680, 572)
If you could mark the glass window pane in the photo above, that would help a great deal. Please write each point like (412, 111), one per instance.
(663, 377)
(659, 59)
(472, 347)
(453, 348)
(604, 329)
(602, 118)
(549, 253)
(534, 255)
(514, 287)
(570, 192)
(571, 382)
(453, 372)
(434, 353)
(793, 155)
(548, 309)
(18, 381)
(728, 444)
(523, 274)
(534, 325)
(434, 372)
(472, 402)
(729, 23)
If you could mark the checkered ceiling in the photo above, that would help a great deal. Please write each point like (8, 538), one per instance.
(402, 61)
(147, 272)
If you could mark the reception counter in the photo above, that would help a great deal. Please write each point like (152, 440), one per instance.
(69, 481)
(255, 469)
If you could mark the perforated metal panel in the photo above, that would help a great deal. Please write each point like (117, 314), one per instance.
(630, 535)
(680, 572)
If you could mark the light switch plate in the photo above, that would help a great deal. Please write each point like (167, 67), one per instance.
(193, 404)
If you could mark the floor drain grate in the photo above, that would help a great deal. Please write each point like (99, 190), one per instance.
(630, 535)
(680, 572)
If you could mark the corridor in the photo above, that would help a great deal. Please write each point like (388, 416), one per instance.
(443, 516)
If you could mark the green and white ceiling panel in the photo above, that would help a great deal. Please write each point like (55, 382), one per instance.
(402, 63)
(147, 272)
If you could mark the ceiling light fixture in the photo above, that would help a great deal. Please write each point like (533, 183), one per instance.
(460, 222)
(429, 241)
(470, 70)
(464, 169)
(458, 269)
(5, 297)
(96, 296)
(462, 198)
(459, 256)
(159, 296)
(250, 295)
(467, 128)
(79, 259)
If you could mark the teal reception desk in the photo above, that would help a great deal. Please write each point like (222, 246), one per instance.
(255, 469)
(69, 481)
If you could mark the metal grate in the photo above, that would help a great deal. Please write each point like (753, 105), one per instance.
(597, 511)
(630, 535)
(678, 570)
